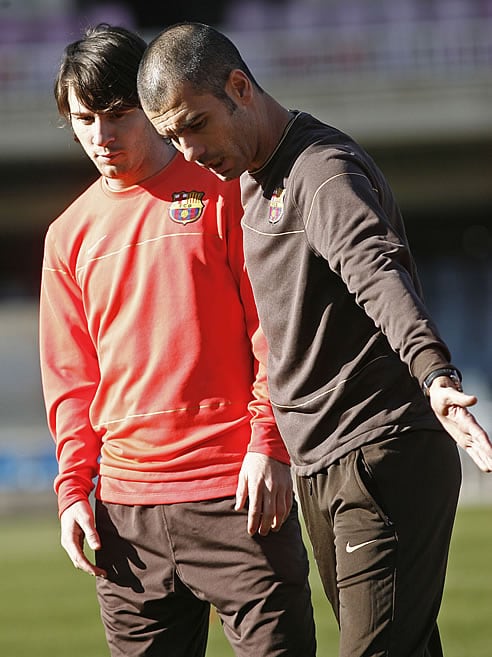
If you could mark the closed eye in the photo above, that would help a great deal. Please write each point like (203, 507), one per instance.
(198, 125)
(192, 126)
(86, 119)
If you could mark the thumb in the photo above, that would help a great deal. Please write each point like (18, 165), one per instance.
(241, 492)
(91, 536)
(93, 540)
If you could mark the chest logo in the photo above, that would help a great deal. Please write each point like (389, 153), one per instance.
(186, 207)
(276, 209)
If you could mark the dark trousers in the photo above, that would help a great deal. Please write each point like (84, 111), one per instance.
(380, 521)
(167, 564)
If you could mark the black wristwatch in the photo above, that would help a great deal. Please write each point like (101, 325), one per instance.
(451, 372)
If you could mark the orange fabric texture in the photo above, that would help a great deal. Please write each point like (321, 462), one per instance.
(147, 333)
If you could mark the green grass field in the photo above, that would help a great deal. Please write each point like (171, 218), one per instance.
(48, 609)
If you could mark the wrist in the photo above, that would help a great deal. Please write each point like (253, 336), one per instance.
(450, 372)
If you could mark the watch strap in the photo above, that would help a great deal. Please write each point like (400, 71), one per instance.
(451, 372)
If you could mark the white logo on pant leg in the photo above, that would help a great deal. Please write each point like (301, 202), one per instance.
(352, 548)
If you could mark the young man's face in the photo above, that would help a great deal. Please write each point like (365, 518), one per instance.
(209, 131)
(117, 142)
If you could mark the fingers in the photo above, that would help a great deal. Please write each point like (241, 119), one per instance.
(464, 422)
(451, 408)
(81, 562)
(260, 514)
(268, 509)
(283, 507)
(266, 512)
(479, 448)
(241, 492)
(466, 431)
(267, 484)
(77, 525)
(444, 399)
(479, 458)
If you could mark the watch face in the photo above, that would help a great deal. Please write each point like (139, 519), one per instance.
(456, 379)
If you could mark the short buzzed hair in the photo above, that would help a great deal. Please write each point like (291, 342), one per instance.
(101, 68)
(188, 52)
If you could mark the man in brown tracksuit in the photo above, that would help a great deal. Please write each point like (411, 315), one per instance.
(362, 385)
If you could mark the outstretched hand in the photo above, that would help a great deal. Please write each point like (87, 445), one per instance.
(268, 485)
(451, 408)
(77, 525)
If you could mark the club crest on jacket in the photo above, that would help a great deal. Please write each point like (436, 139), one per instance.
(276, 210)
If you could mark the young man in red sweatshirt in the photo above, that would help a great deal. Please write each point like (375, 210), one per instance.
(153, 369)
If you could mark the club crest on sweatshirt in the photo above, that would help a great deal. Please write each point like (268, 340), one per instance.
(186, 207)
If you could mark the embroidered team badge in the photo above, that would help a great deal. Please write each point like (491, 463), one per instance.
(276, 210)
(186, 207)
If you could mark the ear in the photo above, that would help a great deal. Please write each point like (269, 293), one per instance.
(239, 87)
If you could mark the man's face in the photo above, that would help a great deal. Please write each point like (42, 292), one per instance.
(209, 131)
(117, 142)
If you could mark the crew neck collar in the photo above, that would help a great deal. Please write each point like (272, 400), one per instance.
(295, 114)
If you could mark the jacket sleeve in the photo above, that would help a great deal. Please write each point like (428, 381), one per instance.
(265, 436)
(356, 226)
(70, 376)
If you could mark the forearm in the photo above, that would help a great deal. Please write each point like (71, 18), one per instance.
(70, 376)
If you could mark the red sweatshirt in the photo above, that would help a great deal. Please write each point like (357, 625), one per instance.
(152, 361)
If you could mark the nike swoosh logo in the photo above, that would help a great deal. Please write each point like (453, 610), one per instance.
(352, 548)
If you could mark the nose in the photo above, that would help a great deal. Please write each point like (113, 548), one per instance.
(102, 134)
(191, 149)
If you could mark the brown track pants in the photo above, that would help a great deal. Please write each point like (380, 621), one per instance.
(380, 521)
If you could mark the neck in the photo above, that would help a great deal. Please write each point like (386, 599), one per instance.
(156, 159)
(272, 119)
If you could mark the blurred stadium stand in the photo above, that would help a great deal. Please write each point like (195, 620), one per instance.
(410, 79)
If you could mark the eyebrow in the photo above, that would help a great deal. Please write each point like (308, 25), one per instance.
(183, 125)
(89, 112)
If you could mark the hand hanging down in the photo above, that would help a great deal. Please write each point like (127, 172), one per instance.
(77, 525)
(268, 485)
